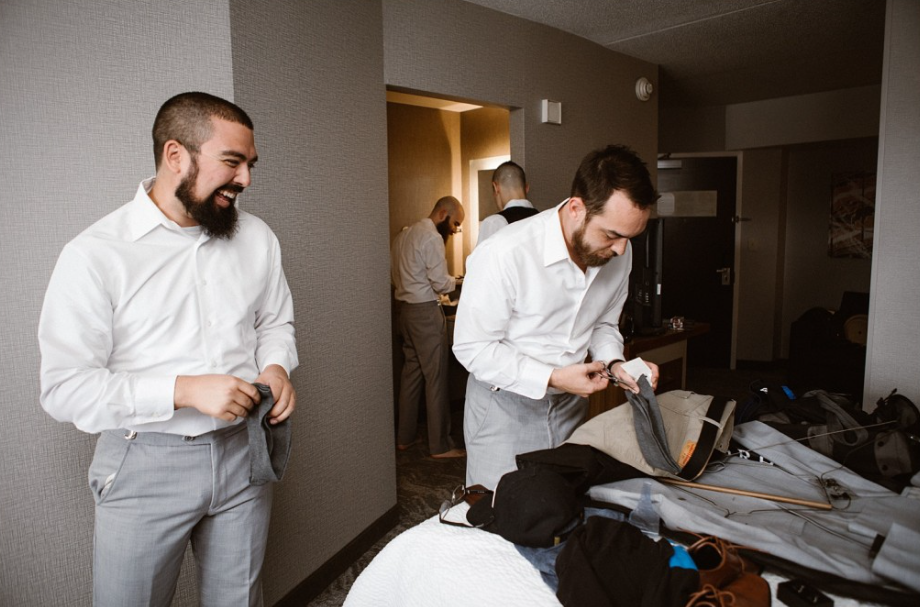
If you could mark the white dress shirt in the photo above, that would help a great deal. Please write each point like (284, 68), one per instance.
(136, 300)
(418, 267)
(527, 309)
(494, 223)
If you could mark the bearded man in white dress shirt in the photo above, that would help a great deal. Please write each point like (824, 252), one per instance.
(157, 321)
(418, 270)
(538, 297)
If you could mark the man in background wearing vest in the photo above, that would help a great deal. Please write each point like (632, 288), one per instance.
(509, 185)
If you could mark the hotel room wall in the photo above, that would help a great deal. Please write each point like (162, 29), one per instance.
(423, 163)
(765, 131)
(889, 112)
(811, 277)
(894, 333)
(429, 152)
(311, 73)
(789, 207)
(696, 129)
(515, 63)
(80, 84)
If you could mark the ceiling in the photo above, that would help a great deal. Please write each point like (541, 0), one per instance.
(718, 52)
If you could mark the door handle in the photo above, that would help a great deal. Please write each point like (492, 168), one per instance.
(726, 276)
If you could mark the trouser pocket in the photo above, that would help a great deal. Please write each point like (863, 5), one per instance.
(110, 455)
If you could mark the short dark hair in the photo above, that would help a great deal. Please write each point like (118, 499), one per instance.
(510, 174)
(610, 169)
(186, 118)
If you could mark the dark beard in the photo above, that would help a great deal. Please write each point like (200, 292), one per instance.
(444, 229)
(215, 221)
(588, 258)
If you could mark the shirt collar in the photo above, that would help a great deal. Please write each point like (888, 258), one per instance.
(143, 213)
(554, 248)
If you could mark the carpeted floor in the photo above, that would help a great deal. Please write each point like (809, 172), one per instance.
(423, 483)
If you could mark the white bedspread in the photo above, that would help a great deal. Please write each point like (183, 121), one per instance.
(434, 564)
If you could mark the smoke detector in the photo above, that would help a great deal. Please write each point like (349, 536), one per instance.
(644, 89)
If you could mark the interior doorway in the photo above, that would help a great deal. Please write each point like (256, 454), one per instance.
(435, 147)
(438, 147)
(699, 279)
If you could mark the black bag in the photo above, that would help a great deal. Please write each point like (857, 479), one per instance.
(882, 446)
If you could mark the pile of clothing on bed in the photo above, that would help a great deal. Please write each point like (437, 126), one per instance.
(589, 521)
(595, 556)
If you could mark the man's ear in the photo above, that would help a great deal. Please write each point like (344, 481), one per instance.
(576, 207)
(173, 157)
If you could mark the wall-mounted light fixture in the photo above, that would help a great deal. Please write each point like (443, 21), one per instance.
(644, 89)
(551, 112)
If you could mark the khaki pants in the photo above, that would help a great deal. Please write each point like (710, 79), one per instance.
(423, 329)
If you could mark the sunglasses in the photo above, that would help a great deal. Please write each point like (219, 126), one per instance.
(458, 495)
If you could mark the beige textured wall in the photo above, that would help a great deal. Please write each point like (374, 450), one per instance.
(421, 147)
(80, 84)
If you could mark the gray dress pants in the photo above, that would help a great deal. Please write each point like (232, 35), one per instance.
(498, 425)
(423, 329)
(157, 492)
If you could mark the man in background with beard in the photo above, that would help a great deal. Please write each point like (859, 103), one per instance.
(157, 321)
(418, 270)
(539, 296)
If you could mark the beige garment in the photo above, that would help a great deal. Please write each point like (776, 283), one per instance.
(684, 415)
